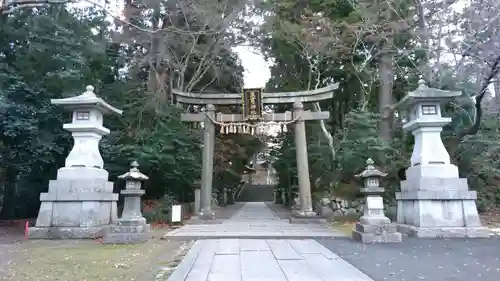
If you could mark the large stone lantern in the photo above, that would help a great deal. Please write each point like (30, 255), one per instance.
(374, 226)
(422, 108)
(80, 203)
(434, 201)
(87, 127)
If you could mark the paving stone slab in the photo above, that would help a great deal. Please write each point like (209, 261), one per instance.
(264, 260)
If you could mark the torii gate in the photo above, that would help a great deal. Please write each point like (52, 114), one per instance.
(253, 101)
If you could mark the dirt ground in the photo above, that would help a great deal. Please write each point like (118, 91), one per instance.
(85, 260)
(491, 218)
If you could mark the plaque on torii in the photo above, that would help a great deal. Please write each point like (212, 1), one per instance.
(252, 104)
(252, 120)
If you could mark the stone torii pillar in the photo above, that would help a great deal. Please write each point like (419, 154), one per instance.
(302, 163)
(207, 175)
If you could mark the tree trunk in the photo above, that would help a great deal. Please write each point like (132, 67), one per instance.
(9, 195)
(386, 80)
(496, 100)
(385, 95)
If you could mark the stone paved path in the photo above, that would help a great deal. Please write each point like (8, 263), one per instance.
(253, 220)
(273, 253)
(263, 260)
(284, 258)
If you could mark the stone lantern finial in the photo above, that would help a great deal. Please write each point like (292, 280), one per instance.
(422, 84)
(89, 91)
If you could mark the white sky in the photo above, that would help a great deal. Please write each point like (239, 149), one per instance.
(257, 70)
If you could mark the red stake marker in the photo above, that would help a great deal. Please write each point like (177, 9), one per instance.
(26, 225)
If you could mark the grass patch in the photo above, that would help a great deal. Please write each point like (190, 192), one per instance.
(88, 260)
(167, 267)
(343, 227)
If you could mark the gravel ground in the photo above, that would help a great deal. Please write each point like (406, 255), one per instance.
(10, 239)
(423, 259)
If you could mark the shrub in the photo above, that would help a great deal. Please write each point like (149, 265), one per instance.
(158, 211)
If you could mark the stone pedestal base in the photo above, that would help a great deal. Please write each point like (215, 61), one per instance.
(127, 234)
(79, 204)
(206, 215)
(66, 232)
(437, 206)
(444, 232)
(198, 220)
(197, 200)
(215, 204)
(299, 217)
(383, 233)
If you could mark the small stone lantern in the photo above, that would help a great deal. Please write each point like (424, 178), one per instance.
(131, 228)
(374, 205)
(374, 226)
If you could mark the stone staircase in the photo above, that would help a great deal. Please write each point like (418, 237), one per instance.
(256, 193)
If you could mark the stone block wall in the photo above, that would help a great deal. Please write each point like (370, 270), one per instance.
(336, 207)
(340, 208)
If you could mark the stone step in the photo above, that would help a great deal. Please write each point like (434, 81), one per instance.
(253, 221)
(256, 193)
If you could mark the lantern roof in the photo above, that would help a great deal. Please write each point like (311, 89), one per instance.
(134, 173)
(87, 99)
(424, 93)
(370, 171)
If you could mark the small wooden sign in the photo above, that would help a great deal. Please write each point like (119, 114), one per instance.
(176, 213)
(252, 104)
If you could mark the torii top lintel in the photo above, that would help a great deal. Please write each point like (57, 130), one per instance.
(267, 98)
